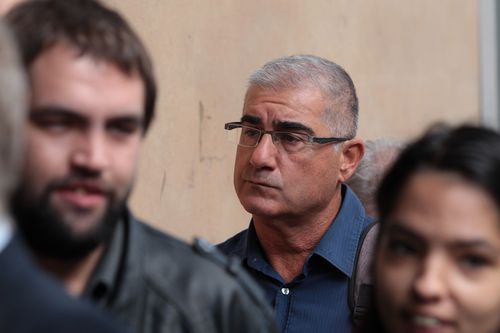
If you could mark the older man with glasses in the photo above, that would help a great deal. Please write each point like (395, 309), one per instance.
(303, 237)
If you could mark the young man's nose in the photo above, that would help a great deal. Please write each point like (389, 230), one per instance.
(90, 152)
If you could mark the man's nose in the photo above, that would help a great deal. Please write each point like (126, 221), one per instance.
(265, 153)
(90, 152)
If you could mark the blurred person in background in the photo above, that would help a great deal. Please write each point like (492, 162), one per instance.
(29, 300)
(92, 102)
(379, 156)
(437, 267)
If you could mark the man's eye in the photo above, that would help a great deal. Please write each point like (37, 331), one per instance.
(55, 124)
(290, 138)
(124, 128)
(249, 132)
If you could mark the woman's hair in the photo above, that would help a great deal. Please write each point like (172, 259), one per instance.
(471, 152)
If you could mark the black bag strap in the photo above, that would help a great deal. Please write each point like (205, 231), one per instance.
(361, 283)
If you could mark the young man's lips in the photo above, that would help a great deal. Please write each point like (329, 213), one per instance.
(82, 196)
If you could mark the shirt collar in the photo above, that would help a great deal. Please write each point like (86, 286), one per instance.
(340, 243)
(254, 254)
(102, 284)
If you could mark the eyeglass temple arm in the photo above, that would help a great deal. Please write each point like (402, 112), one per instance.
(328, 140)
(232, 125)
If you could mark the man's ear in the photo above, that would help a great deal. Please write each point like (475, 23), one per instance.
(351, 154)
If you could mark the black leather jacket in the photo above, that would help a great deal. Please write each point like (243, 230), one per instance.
(164, 285)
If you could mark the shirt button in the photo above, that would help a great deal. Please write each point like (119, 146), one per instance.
(285, 291)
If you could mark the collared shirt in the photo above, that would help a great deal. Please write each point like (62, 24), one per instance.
(317, 299)
(5, 232)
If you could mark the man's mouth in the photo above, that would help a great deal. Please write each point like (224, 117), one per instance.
(83, 195)
(260, 183)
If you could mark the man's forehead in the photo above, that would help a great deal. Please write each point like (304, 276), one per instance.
(285, 105)
(62, 78)
(65, 51)
(295, 98)
(292, 92)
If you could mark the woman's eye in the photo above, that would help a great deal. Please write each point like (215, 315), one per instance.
(401, 248)
(473, 261)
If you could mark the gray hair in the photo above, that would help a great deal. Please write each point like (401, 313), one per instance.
(13, 102)
(308, 71)
(378, 158)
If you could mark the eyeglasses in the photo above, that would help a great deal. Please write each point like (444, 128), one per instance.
(291, 142)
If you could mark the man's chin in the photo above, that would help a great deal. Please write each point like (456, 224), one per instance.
(80, 223)
(66, 234)
(261, 207)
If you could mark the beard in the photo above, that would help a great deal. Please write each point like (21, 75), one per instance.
(48, 233)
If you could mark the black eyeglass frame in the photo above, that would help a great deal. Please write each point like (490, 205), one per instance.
(310, 138)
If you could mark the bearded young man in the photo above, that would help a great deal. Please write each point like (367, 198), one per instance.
(30, 300)
(92, 102)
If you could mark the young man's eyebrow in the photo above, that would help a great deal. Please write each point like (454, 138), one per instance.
(127, 119)
(42, 113)
(54, 111)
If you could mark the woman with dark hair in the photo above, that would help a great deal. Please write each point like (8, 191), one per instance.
(437, 265)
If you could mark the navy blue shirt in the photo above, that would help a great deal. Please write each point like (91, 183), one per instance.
(316, 300)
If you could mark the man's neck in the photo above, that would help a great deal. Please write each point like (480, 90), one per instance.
(74, 274)
(289, 242)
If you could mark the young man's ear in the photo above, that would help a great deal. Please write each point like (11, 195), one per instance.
(352, 153)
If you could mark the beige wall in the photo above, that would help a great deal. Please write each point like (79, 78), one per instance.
(413, 62)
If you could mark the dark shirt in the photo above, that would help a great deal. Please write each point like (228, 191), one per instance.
(155, 283)
(31, 301)
(316, 300)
